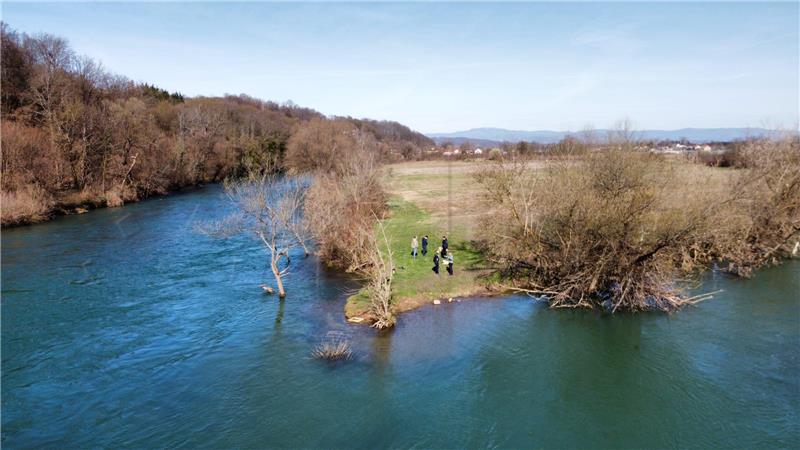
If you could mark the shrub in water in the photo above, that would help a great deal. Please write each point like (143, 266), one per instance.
(333, 351)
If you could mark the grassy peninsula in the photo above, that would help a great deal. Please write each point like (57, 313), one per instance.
(435, 198)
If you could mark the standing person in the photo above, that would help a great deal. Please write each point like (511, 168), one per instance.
(414, 247)
(424, 245)
(436, 263)
(450, 263)
(444, 245)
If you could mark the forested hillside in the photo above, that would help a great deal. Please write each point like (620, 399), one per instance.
(76, 136)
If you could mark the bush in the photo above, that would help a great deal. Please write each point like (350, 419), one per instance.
(729, 158)
(615, 229)
(341, 207)
(619, 228)
(26, 205)
(336, 350)
(765, 205)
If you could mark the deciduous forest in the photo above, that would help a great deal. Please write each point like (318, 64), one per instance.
(75, 136)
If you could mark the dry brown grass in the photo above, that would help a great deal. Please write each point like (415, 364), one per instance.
(27, 205)
(446, 190)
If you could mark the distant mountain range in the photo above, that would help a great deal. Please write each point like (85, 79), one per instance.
(460, 140)
(493, 136)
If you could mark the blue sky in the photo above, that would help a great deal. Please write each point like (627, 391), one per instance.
(446, 67)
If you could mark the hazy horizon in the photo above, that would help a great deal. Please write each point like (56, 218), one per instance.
(442, 68)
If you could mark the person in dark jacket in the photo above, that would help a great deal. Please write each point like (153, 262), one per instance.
(444, 245)
(424, 245)
(436, 263)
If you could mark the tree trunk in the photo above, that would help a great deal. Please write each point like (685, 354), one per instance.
(278, 280)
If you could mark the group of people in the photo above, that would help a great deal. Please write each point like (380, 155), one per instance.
(441, 254)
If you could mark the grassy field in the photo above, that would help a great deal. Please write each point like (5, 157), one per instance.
(446, 190)
(433, 198)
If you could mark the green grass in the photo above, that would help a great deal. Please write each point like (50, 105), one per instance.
(451, 200)
(414, 282)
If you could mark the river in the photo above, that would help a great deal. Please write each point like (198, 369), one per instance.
(125, 328)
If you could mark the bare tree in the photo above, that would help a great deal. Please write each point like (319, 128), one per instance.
(320, 145)
(380, 273)
(270, 207)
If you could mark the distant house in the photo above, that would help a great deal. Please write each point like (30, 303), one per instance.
(478, 151)
(447, 153)
(456, 152)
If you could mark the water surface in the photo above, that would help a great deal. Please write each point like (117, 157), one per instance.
(124, 328)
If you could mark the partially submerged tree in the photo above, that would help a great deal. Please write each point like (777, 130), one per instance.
(269, 207)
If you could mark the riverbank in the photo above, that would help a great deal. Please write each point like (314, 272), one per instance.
(414, 283)
(434, 198)
(28, 209)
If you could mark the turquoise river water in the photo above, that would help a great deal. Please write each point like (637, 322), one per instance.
(123, 328)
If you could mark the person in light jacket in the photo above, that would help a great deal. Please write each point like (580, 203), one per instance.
(414, 247)
(449, 260)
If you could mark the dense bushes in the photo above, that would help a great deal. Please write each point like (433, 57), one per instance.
(345, 202)
(320, 145)
(731, 157)
(764, 211)
(619, 227)
(342, 206)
